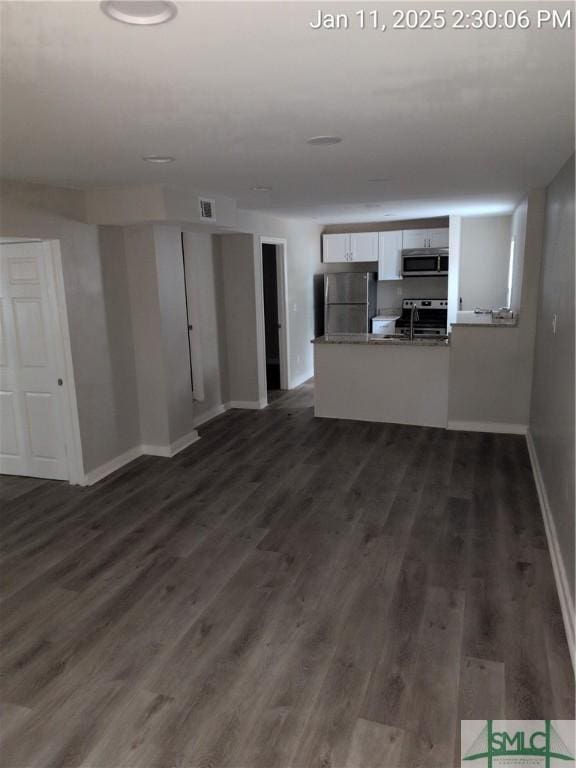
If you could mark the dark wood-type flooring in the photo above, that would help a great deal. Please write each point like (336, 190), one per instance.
(288, 591)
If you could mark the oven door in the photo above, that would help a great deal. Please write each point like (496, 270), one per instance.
(416, 263)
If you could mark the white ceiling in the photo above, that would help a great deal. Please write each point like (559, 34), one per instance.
(457, 121)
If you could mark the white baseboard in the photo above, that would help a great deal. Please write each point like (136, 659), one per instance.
(184, 442)
(217, 410)
(560, 575)
(171, 450)
(166, 451)
(254, 405)
(94, 475)
(296, 381)
(500, 428)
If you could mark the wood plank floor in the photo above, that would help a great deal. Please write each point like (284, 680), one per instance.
(288, 591)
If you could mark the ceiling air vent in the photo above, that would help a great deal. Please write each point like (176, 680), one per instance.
(207, 209)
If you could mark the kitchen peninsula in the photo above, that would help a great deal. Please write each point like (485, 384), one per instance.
(368, 377)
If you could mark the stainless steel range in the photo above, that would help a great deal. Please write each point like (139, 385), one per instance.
(423, 317)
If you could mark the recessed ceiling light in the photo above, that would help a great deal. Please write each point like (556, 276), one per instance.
(158, 159)
(323, 141)
(261, 189)
(139, 11)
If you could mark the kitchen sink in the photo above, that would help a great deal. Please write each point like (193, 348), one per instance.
(401, 338)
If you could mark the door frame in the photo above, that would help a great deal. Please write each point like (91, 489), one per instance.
(67, 394)
(190, 277)
(284, 331)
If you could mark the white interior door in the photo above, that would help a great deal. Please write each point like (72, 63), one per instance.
(32, 433)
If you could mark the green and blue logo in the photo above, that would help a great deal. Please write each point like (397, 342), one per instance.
(530, 739)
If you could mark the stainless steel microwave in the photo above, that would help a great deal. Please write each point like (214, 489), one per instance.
(424, 262)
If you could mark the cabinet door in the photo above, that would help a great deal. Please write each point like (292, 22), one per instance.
(364, 246)
(415, 238)
(390, 255)
(438, 238)
(335, 248)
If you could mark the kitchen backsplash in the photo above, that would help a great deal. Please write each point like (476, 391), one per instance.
(391, 293)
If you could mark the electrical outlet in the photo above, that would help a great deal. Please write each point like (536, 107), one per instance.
(554, 324)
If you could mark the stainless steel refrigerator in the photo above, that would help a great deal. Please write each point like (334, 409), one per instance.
(349, 302)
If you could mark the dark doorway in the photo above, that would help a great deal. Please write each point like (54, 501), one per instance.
(271, 323)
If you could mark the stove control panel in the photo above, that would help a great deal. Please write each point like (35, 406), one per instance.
(425, 303)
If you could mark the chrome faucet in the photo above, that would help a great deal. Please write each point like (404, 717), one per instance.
(413, 316)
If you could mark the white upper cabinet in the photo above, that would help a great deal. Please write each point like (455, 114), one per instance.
(360, 246)
(364, 246)
(335, 248)
(415, 238)
(426, 238)
(382, 247)
(390, 255)
(438, 238)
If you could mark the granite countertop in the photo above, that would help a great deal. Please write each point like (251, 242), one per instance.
(378, 340)
(471, 319)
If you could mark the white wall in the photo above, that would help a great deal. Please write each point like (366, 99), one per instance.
(144, 309)
(222, 270)
(491, 368)
(115, 289)
(484, 260)
(154, 203)
(518, 235)
(95, 286)
(174, 329)
(124, 291)
(303, 261)
(158, 309)
(391, 293)
(552, 409)
(236, 254)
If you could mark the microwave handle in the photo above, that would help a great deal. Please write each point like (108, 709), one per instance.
(438, 263)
